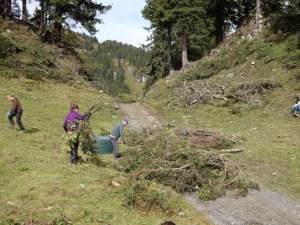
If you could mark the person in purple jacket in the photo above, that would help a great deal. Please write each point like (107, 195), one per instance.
(70, 126)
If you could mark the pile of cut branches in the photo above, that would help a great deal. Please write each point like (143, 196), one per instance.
(196, 92)
(251, 92)
(205, 139)
(174, 161)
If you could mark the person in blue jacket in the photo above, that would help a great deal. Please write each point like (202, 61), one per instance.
(118, 131)
(295, 111)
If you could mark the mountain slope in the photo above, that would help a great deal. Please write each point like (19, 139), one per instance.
(246, 90)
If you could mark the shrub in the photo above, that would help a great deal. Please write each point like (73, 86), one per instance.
(146, 196)
(7, 73)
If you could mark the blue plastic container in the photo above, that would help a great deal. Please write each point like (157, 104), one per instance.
(103, 144)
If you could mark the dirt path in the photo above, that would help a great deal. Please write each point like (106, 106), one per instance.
(257, 208)
(139, 117)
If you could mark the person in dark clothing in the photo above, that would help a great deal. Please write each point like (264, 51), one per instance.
(16, 111)
(118, 131)
(70, 126)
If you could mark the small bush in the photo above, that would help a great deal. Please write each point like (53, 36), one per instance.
(4, 47)
(146, 196)
(35, 73)
(127, 98)
(7, 73)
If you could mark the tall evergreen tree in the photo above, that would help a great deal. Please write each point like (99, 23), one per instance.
(157, 11)
(58, 13)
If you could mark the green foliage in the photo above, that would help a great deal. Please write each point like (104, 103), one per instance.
(126, 98)
(285, 23)
(146, 196)
(35, 73)
(69, 141)
(70, 39)
(136, 56)
(4, 47)
(7, 73)
(206, 69)
(149, 82)
(181, 163)
(81, 12)
(109, 60)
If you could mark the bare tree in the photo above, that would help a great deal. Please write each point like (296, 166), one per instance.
(184, 54)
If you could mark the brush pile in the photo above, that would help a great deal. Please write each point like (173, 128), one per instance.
(172, 160)
(196, 92)
(203, 92)
(251, 93)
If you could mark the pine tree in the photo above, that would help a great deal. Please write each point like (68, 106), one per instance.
(58, 13)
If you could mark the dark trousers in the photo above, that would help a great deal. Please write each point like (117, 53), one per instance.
(74, 153)
(115, 145)
(18, 116)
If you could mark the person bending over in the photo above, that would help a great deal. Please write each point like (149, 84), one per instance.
(118, 131)
(16, 111)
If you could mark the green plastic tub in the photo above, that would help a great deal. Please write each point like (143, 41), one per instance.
(103, 145)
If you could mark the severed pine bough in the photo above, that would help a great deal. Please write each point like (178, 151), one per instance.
(84, 132)
(176, 162)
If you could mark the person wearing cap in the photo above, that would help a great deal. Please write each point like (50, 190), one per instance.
(70, 125)
(118, 131)
(16, 111)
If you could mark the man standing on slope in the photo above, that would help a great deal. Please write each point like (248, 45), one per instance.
(118, 131)
(16, 111)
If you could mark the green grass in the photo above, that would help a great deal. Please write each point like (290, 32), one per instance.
(36, 181)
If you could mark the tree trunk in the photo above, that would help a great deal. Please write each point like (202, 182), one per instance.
(7, 8)
(219, 24)
(42, 19)
(258, 17)
(24, 10)
(171, 67)
(185, 61)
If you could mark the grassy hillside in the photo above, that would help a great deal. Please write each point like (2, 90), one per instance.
(246, 90)
(37, 184)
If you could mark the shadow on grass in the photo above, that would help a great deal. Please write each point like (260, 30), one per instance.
(32, 130)
(94, 159)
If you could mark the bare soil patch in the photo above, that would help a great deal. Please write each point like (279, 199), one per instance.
(139, 117)
(262, 207)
